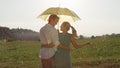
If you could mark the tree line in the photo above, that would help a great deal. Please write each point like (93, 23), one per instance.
(18, 34)
(26, 34)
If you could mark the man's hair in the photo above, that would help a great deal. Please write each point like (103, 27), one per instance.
(53, 16)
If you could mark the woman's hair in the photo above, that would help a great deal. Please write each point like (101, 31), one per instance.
(74, 33)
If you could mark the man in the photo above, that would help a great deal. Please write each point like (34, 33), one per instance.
(49, 41)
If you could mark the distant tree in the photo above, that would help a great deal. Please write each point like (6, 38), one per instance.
(81, 37)
(6, 33)
(92, 36)
(25, 34)
(18, 34)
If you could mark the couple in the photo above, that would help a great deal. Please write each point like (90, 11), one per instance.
(55, 50)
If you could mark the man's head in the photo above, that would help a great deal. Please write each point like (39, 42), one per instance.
(53, 19)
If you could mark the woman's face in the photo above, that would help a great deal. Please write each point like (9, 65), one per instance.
(62, 27)
(65, 27)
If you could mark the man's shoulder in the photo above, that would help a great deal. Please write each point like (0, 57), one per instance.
(44, 27)
(47, 29)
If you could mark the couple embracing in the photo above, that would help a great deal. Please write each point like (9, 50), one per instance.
(55, 46)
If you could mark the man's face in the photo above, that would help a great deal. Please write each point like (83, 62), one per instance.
(56, 21)
(62, 27)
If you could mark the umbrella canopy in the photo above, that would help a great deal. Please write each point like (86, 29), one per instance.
(64, 14)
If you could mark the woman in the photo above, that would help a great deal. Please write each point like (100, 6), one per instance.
(62, 56)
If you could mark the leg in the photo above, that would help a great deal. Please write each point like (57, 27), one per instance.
(48, 63)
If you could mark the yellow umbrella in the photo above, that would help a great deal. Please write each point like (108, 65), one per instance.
(64, 14)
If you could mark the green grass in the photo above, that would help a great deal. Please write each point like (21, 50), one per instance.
(24, 54)
(105, 52)
(103, 49)
(19, 54)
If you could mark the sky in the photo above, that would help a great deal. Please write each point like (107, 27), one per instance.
(98, 17)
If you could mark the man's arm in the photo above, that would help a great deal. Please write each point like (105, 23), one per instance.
(56, 42)
(51, 45)
(64, 47)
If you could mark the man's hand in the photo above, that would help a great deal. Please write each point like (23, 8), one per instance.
(68, 48)
(64, 47)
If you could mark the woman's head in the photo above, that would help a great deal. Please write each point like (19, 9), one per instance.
(65, 26)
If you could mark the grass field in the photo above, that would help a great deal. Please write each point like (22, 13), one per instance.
(105, 53)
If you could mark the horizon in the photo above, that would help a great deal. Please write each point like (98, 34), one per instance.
(69, 32)
(97, 17)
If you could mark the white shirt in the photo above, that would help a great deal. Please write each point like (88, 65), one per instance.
(48, 34)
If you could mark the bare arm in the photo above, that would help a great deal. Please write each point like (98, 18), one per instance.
(74, 32)
(73, 40)
(64, 47)
(51, 45)
(74, 43)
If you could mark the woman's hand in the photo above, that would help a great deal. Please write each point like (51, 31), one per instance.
(89, 43)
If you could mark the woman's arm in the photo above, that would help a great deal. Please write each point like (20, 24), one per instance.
(74, 43)
(73, 39)
(74, 33)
